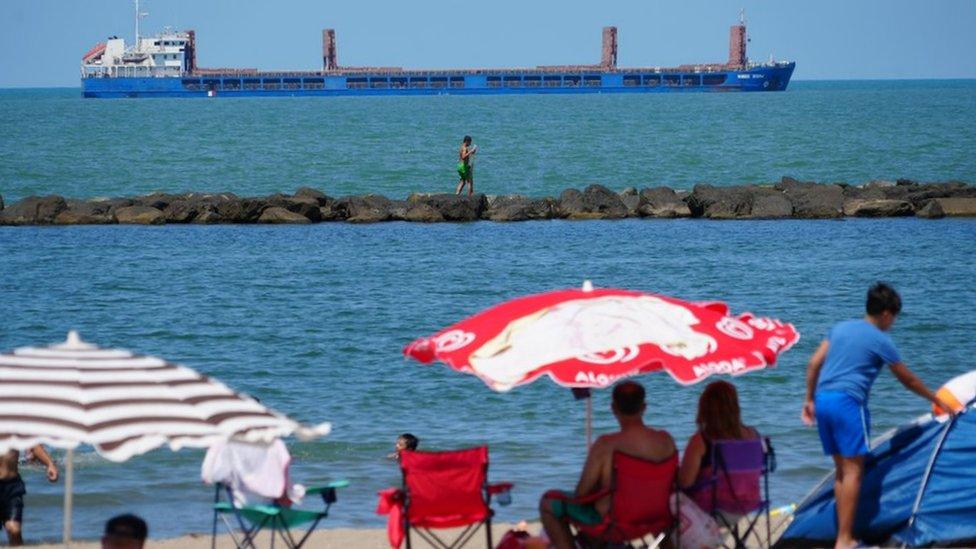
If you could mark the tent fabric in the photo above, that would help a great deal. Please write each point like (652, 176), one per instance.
(919, 489)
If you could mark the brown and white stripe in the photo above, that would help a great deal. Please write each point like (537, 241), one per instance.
(123, 404)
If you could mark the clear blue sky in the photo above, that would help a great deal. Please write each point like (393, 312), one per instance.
(42, 41)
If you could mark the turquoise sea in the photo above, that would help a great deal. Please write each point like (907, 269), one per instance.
(312, 318)
(53, 141)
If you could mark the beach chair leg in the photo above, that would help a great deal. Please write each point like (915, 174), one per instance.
(488, 533)
(305, 537)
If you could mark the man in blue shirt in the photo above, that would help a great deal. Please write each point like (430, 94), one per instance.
(839, 377)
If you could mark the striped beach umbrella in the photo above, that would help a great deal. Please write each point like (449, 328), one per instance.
(123, 404)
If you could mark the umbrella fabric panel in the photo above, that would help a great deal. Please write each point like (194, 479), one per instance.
(591, 338)
(947, 513)
(121, 403)
(892, 478)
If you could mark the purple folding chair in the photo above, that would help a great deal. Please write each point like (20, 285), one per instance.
(739, 485)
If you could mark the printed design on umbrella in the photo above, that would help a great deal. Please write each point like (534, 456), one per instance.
(602, 330)
(594, 337)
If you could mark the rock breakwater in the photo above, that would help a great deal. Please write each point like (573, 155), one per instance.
(787, 199)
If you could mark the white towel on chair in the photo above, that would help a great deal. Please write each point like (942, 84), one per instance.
(255, 473)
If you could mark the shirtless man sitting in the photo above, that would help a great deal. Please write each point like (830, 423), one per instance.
(12, 489)
(634, 438)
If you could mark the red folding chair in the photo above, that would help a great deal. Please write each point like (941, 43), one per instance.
(640, 493)
(448, 490)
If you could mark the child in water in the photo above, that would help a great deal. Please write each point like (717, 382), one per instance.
(406, 441)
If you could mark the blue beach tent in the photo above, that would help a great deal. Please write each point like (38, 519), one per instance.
(919, 490)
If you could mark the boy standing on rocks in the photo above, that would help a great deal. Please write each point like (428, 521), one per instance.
(465, 166)
(839, 377)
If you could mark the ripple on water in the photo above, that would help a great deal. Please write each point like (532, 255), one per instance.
(321, 340)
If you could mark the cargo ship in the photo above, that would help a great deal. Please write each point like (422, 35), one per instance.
(165, 65)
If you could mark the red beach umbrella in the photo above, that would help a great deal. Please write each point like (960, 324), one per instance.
(591, 338)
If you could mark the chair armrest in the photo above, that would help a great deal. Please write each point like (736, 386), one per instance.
(557, 495)
(327, 491)
(327, 486)
(499, 487)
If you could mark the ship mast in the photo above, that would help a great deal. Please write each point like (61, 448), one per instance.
(139, 15)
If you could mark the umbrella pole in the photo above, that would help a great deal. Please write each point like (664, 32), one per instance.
(589, 423)
(69, 479)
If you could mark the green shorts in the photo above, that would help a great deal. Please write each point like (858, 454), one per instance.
(464, 171)
(580, 513)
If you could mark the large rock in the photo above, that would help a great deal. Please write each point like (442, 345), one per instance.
(372, 208)
(306, 206)
(214, 208)
(813, 200)
(878, 208)
(279, 215)
(595, 202)
(770, 205)
(662, 202)
(957, 207)
(931, 210)
(160, 201)
(34, 210)
(140, 215)
(520, 208)
(319, 196)
(1, 202)
(631, 199)
(921, 194)
(86, 212)
(719, 202)
(422, 213)
(452, 207)
(738, 202)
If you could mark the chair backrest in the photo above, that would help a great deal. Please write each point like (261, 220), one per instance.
(639, 501)
(738, 467)
(443, 484)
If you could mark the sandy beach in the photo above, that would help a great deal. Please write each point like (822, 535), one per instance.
(365, 538)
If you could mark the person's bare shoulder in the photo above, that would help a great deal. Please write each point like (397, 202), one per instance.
(665, 439)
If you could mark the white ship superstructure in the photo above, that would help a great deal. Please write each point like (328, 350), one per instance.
(164, 54)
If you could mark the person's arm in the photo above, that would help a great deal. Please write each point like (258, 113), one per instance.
(464, 152)
(912, 382)
(41, 454)
(589, 481)
(691, 461)
(813, 374)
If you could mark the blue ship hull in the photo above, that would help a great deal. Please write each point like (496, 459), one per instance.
(762, 78)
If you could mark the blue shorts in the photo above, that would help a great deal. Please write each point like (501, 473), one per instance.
(844, 424)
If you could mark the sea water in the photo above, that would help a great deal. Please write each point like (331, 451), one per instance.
(312, 319)
(53, 141)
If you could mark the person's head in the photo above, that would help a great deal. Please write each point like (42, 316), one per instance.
(883, 305)
(719, 416)
(466, 140)
(406, 441)
(628, 400)
(125, 532)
